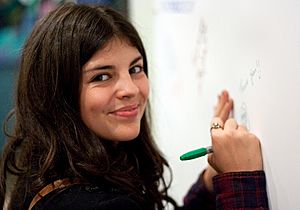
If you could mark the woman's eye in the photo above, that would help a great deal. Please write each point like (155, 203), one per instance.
(101, 77)
(135, 69)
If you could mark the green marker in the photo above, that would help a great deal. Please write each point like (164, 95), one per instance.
(196, 153)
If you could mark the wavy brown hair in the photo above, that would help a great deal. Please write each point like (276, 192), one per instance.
(49, 140)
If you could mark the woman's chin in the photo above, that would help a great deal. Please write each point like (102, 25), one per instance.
(122, 135)
(127, 137)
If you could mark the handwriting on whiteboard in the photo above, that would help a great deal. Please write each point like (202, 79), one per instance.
(252, 77)
(200, 53)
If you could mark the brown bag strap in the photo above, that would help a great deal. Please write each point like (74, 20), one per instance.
(61, 183)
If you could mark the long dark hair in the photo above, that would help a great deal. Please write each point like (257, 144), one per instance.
(49, 140)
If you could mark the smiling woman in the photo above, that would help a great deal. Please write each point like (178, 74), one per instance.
(80, 110)
(114, 91)
(82, 137)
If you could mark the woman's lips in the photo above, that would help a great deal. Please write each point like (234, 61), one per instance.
(127, 111)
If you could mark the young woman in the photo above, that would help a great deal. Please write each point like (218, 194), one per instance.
(82, 138)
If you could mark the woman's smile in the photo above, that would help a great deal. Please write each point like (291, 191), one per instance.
(127, 112)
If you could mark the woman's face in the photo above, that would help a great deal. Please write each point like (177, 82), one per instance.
(114, 92)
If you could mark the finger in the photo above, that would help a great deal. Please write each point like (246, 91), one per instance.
(230, 124)
(211, 162)
(217, 120)
(216, 124)
(222, 99)
(224, 114)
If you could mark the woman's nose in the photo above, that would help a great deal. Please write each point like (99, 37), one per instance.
(126, 87)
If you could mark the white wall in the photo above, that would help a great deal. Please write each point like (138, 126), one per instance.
(251, 48)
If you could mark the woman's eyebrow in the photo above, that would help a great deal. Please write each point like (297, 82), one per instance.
(95, 68)
(134, 61)
(109, 67)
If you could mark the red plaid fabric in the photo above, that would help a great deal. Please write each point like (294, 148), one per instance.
(241, 191)
(233, 191)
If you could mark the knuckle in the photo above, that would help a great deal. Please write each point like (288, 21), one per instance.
(253, 137)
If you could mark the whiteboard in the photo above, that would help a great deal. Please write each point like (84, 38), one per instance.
(252, 49)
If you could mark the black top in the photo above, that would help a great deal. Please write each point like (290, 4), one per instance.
(81, 196)
(235, 190)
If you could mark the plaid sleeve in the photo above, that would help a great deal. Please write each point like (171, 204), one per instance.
(241, 191)
(198, 197)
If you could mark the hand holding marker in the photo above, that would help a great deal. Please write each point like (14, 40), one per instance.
(222, 110)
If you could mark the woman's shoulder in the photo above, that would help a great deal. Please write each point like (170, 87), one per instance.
(83, 196)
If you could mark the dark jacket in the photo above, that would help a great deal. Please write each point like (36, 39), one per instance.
(237, 190)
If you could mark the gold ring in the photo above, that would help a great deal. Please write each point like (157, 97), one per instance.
(215, 126)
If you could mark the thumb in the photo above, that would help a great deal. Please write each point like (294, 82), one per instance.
(211, 162)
